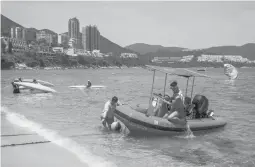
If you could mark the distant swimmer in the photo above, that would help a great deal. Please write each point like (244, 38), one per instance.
(89, 84)
(107, 117)
(35, 81)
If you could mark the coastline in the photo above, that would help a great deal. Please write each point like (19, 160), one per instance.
(69, 68)
(109, 67)
(21, 147)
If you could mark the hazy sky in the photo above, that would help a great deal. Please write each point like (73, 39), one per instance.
(184, 24)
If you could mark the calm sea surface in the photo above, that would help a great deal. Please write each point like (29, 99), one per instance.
(71, 117)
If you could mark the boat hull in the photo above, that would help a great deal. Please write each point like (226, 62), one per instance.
(39, 81)
(35, 86)
(139, 123)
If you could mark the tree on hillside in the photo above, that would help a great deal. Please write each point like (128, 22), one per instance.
(81, 60)
(65, 60)
(3, 46)
(33, 43)
(43, 42)
(41, 63)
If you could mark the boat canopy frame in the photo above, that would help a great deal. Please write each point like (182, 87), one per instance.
(192, 74)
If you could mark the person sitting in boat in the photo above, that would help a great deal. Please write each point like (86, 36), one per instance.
(177, 112)
(107, 117)
(163, 108)
(20, 79)
(89, 84)
(15, 88)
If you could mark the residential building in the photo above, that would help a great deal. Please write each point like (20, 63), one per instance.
(187, 58)
(84, 43)
(13, 35)
(90, 38)
(166, 59)
(28, 35)
(18, 32)
(222, 58)
(74, 31)
(128, 55)
(49, 38)
(63, 39)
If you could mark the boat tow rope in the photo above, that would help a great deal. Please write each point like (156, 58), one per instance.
(19, 144)
(38, 142)
(18, 134)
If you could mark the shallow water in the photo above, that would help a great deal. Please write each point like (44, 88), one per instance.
(71, 117)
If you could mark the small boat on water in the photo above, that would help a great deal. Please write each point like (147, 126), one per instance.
(201, 69)
(35, 86)
(45, 83)
(141, 120)
(23, 85)
(139, 123)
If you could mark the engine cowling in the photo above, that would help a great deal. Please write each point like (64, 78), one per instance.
(201, 104)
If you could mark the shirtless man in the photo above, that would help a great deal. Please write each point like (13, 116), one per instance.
(177, 113)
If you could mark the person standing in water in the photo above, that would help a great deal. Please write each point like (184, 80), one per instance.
(107, 117)
(15, 88)
(89, 84)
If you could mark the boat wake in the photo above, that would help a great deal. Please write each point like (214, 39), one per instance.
(81, 152)
(189, 134)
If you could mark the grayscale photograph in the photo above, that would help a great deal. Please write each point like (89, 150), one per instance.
(127, 83)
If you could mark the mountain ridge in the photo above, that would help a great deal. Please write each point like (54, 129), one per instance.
(247, 50)
(106, 46)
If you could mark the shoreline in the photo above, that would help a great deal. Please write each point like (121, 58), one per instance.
(21, 147)
(110, 67)
(70, 68)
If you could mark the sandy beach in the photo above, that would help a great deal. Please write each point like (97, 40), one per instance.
(22, 148)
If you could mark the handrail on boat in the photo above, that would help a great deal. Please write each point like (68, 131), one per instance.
(182, 75)
(157, 95)
(171, 73)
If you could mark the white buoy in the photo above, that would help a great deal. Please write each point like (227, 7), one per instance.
(116, 126)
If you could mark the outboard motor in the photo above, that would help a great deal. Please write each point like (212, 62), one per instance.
(201, 105)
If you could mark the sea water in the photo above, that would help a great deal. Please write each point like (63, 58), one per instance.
(71, 118)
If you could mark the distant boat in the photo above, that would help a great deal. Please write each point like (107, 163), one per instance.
(230, 71)
(201, 69)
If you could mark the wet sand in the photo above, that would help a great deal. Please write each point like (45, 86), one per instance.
(22, 148)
